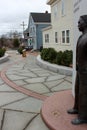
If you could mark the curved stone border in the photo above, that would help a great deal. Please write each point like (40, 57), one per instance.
(53, 67)
(4, 58)
(54, 112)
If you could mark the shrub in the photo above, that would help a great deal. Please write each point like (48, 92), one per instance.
(60, 58)
(20, 50)
(2, 52)
(16, 42)
(44, 54)
(67, 58)
(48, 54)
(41, 48)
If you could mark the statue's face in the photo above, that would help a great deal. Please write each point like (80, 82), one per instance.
(81, 24)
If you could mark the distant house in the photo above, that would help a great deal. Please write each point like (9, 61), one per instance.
(26, 36)
(60, 34)
(37, 21)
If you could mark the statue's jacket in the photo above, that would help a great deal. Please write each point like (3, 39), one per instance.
(81, 67)
(81, 53)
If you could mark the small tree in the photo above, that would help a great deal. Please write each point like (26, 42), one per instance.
(16, 42)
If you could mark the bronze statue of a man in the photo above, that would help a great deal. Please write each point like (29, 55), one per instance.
(80, 104)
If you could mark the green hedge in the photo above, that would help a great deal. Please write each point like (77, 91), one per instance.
(2, 52)
(60, 58)
(16, 43)
(20, 50)
(48, 54)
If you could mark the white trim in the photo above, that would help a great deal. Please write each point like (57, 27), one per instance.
(49, 2)
(65, 43)
(42, 23)
(47, 28)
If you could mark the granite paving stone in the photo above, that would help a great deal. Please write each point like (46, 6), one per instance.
(1, 81)
(51, 84)
(19, 71)
(16, 120)
(6, 98)
(15, 77)
(37, 124)
(36, 80)
(49, 94)
(19, 111)
(69, 78)
(28, 74)
(63, 86)
(27, 105)
(42, 74)
(1, 117)
(20, 82)
(36, 69)
(37, 87)
(15, 69)
(5, 87)
(55, 77)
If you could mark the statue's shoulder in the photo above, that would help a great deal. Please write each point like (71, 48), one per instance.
(85, 35)
(84, 38)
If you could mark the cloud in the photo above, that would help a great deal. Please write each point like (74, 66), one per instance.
(14, 12)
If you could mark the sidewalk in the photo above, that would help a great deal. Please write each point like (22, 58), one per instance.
(24, 87)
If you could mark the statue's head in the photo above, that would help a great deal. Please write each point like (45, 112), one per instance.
(82, 23)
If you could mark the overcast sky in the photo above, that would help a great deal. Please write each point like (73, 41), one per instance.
(14, 12)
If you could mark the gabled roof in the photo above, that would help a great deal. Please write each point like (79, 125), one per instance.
(41, 17)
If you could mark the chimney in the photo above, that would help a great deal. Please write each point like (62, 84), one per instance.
(46, 12)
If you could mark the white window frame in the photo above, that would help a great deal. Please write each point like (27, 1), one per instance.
(56, 37)
(66, 37)
(46, 38)
(63, 37)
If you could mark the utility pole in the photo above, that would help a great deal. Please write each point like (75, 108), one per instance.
(23, 24)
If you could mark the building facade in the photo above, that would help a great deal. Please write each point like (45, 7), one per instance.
(26, 37)
(60, 34)
(37, 21)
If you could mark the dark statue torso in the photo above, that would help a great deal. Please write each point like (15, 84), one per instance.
(81, 52)
(81, 80)
(80, 104)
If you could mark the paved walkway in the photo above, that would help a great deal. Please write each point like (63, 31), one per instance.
(23, 88)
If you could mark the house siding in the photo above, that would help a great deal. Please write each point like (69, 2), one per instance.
(35, 30)
(39, 34)
(60, 23)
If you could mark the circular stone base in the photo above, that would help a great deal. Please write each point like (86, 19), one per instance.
(54, 112)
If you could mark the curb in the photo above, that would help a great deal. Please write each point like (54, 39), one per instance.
(4, 58)
(53, 67)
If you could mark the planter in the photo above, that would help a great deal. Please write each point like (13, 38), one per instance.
(4, 58)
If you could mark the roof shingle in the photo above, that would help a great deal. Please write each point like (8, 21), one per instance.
(41, 17)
